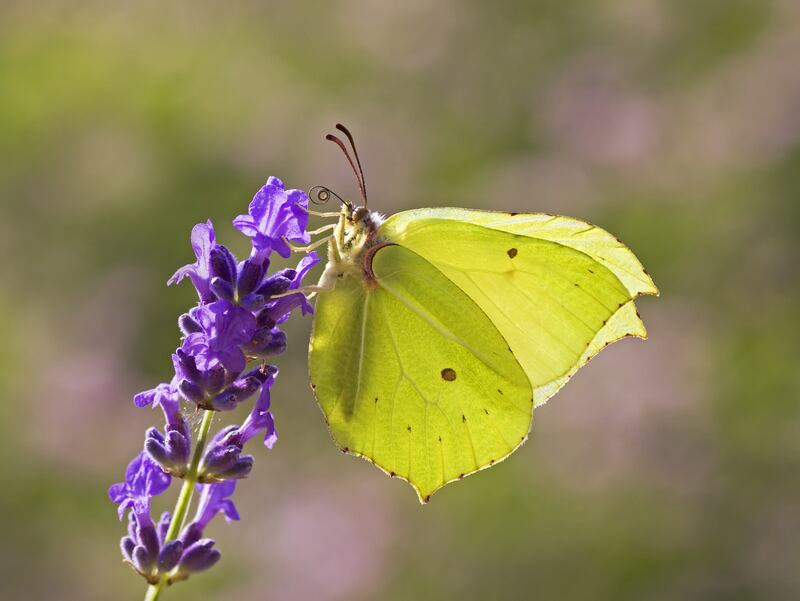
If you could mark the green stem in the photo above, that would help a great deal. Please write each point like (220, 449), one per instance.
(185, 496)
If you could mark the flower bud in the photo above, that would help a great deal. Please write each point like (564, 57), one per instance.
(222, 289)
(224, 401)
(148, 539)
(222, 264)
(277, 283)
(191, 534)
(252, 302)
(178, 447)
(170, 555)
(191, 391)
(249, 277)
(220, 459)
(171, 452)
(237, 392)
(163, 525)
(126, 545)
(266, 342)
(240, 469)
(199, 557)
(186, 366)
(141, 560)
(188, 325)
(214, 379)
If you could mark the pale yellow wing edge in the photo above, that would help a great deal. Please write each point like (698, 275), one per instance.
(624, 323)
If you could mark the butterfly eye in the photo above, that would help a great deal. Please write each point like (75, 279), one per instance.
(360, 213)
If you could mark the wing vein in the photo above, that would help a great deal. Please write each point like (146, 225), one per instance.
(500, 309)
(361, 349)
(445, 332)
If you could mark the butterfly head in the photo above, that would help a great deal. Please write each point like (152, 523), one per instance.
(358, 228)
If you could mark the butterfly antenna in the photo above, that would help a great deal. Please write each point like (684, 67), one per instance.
(320, 195)
(359, 179)
(346, 132)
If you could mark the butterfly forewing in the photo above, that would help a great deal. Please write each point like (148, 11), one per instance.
(600, 245)
(550, 301)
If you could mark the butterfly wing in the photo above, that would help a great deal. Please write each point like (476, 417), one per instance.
(600, 245)
(559, 290)
(412, 375)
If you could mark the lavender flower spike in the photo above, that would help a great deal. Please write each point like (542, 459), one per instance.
(218, 366)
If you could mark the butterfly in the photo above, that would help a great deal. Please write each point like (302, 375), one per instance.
(438, 331)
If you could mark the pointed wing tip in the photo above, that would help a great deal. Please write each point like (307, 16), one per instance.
(424, 499)
(650, 289)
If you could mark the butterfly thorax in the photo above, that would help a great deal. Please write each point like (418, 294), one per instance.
(354, 239)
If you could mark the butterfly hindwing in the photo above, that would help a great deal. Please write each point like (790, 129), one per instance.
(412, 374)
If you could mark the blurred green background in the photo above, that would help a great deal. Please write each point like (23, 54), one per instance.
(666, 469)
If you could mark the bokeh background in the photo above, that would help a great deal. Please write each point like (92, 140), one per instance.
(666, 469)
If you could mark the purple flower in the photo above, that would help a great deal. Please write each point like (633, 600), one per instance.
(214, 272)
(275, 214)
(223, 459)
(260, 417)
(203, 241)
(144, 479)
(224, 327)
(165, 396)
(197, 553)
(279, 309)
(214, 499)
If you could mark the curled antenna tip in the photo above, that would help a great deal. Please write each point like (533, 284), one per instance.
(320, 195)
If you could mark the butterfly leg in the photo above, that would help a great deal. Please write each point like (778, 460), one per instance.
(310, 247)
(319, 214)
(309, 291)
(324, 228)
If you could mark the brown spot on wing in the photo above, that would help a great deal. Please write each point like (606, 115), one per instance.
(448, 374)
